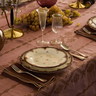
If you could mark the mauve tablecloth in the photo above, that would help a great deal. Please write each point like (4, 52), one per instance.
(80, 72)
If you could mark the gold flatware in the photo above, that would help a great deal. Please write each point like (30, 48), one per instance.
(38, 85)
(74, 53)
(78, 56)
(18, 70)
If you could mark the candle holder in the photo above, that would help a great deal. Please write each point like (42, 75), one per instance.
(77, 5)
(11, 32)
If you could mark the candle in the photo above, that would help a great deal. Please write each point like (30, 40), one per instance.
(11, 17)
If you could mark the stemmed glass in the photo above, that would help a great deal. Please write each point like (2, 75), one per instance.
(57, 25)
(42, 12)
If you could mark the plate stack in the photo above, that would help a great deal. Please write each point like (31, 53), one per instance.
(45, 60)
(92, 24)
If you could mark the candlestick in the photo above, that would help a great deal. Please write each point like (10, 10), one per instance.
(11, 32)
(77, 5)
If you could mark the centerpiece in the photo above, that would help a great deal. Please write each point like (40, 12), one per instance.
(31, 20)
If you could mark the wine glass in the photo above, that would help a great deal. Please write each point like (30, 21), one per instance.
(57, 25)
(46, 3)
(42, 12)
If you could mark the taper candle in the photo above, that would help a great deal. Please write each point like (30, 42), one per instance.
(11, 17)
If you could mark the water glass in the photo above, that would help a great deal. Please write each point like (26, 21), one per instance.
(57, 24)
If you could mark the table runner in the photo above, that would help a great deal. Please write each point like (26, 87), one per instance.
(81, 82)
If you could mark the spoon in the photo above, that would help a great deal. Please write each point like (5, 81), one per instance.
(66, 48)
(74, 53)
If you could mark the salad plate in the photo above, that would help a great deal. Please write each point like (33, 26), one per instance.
(45, 59)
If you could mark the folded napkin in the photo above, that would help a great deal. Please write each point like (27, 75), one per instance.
(27, 79)
(91, 35)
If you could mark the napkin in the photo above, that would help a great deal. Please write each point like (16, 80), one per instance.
(92, 34)
(27, 79)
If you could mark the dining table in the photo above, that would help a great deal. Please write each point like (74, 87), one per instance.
(78, 79)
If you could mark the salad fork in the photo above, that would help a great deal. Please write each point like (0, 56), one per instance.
(18, 70)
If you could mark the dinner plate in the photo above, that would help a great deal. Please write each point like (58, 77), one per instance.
(92, 22)
(45, 59)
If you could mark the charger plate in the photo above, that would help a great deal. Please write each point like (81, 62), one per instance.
(45, 59)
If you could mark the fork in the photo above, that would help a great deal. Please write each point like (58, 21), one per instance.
(18, 70)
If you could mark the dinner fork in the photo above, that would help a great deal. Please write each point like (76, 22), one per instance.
(18, 70)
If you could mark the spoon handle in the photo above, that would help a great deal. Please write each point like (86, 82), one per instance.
(78, 56)
(79, 53)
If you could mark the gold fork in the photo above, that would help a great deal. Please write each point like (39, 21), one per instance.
(18, 70)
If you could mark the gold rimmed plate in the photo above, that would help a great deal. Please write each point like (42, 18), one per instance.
(45, 60)
(92, 23)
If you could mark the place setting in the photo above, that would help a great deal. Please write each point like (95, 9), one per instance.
(39, 66)
(89, 30)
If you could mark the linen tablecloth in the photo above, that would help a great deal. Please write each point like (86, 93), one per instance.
(80, 72)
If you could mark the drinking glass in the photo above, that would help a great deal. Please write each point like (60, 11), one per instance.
(46, 3)
(42, 12)
(57, 25)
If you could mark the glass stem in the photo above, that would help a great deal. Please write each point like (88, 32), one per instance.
(42, 35)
